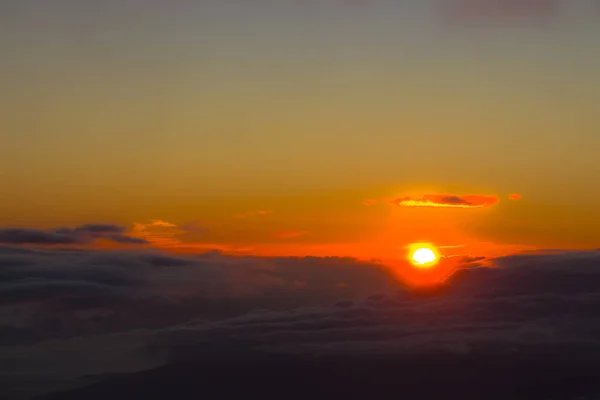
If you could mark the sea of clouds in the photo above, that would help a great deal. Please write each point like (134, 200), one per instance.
(66, 314)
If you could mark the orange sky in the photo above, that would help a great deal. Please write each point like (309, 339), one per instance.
(379, 229)
(276, 129)
(446, 221)
(376, 229)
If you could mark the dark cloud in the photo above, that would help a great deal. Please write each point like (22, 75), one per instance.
(101, 228)
(467, 261)
(35, 236)
(527, 312)
(84, 234)
(454, 200)
(151, 288)
(523, 301)
(126, 239)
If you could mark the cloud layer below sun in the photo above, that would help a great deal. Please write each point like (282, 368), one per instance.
(159, 308)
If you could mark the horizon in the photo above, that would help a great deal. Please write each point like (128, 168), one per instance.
(301, 179)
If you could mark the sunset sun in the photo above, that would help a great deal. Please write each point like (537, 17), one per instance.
(423, 255)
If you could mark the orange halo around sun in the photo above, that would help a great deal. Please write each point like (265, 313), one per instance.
(423, 255)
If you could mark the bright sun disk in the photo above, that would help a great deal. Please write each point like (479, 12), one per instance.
(423, 255)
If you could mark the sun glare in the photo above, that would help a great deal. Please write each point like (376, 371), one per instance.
(423, 255)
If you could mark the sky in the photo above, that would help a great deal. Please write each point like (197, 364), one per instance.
(289, 127)
(187, 186)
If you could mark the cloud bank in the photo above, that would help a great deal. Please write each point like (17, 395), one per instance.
(60, 293)
(85, 234)
(524, 300)
(207, 309)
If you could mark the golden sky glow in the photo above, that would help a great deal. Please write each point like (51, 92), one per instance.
(284, 131)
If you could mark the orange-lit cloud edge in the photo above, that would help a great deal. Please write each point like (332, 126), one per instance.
(447, 200)
(443, 200)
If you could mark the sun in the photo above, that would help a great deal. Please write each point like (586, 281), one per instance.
(423, 255)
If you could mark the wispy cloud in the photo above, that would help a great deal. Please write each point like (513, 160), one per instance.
(451, 246)
(290, 234)
(193, 227)
(254, 213)
(447, 200)
(165, 234)
(514, 196)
